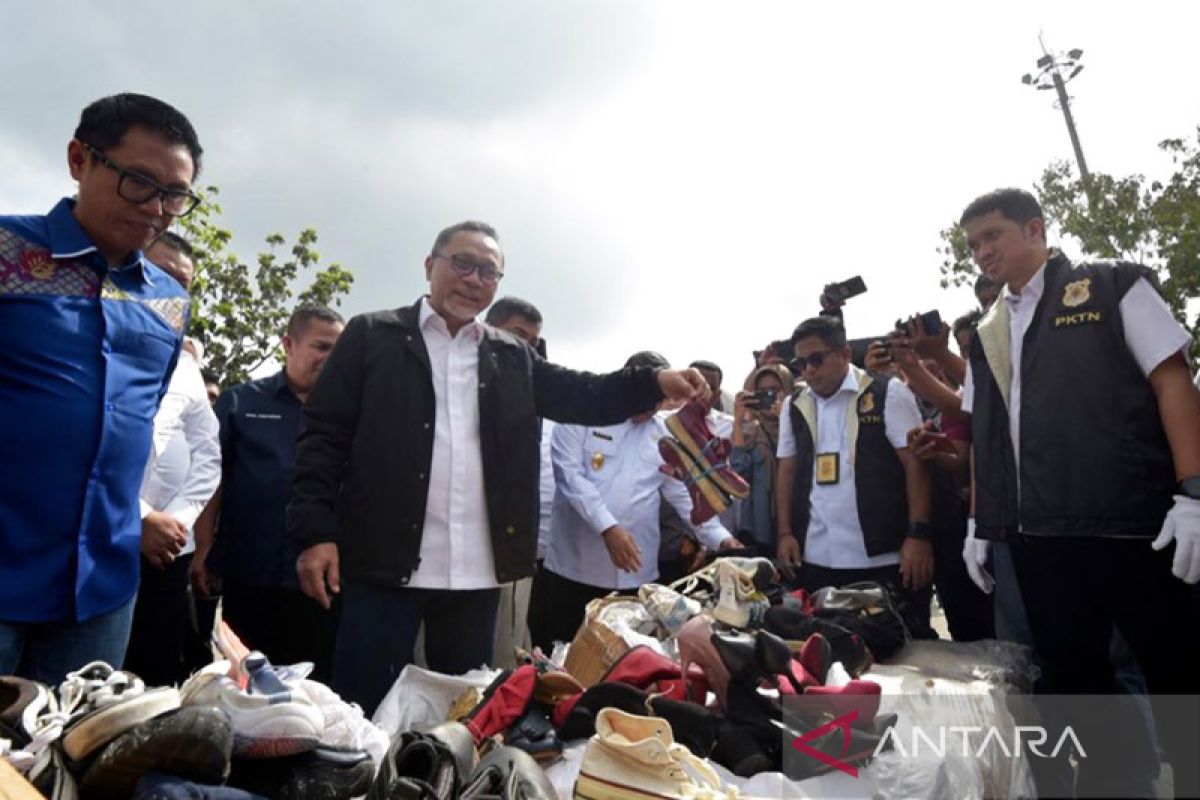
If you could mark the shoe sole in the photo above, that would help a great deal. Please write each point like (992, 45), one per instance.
(193, 743)
(105, 724)
(677, 455)
(590, 787)
(694, 449)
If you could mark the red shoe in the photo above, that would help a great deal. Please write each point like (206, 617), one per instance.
(858, 695)
(707, 498)
(503, 703)
(690, 428)
(644, 668)
(816, 655)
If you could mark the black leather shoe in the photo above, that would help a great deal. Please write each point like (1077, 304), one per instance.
(419, 766)
(323, 773)
(507, 773)
(535, 734)
(737, 654)
(694, 726)
(581, 722)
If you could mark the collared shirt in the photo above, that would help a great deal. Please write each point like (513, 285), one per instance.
(1151, 332)
(259, 420)
(611, 476)
(456, 542)
(545, 489)
(835, 536)
(185, 456)
(85, 352)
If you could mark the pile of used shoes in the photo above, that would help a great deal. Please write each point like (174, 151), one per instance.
(236, 730)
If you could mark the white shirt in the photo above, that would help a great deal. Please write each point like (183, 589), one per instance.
(456, 543)
(611, 476)
(835, 537)
(184, 468)
(545, 489)
(1152, 335)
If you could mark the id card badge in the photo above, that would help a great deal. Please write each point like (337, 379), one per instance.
(828, 471)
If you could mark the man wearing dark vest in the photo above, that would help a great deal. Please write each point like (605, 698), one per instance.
(1086, 436)
(860, 500)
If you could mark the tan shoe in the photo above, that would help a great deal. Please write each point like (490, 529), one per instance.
(636, 758)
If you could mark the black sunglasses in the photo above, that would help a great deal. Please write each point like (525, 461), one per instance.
(801, 363)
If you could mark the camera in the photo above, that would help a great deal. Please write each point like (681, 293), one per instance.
(930, 320)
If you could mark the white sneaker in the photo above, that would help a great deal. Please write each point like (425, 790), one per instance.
(739, 602)
(670, 608)
(103, 703)
(270, 718)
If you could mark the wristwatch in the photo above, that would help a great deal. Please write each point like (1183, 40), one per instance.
(1189, 487)
(920, 530)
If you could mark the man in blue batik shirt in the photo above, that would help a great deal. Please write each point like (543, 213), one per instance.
(89, 334)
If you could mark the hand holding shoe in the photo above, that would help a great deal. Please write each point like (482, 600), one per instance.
(1183, 526)
(975, 554)
(684, 384)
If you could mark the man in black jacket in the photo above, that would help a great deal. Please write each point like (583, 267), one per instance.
(417, 467)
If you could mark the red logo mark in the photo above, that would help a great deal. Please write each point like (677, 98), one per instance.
(843, 722)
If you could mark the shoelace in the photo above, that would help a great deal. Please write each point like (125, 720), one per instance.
(97, 685)
(709, 786)
(50, 726)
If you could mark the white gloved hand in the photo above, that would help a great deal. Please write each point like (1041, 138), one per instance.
(1183, 525)
(975, 554)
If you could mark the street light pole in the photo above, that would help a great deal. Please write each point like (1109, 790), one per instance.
(1050, 76)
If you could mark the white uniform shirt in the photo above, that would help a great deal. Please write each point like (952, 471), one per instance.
(184, 468)
(456, 544)
(545, 489)
(611, 476)
(835, 537)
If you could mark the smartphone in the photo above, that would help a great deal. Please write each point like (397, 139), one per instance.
(932, 321)
(841, 292)
(762, 399)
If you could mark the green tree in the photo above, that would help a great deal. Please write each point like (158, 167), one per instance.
(239, 312)
(1152, 222)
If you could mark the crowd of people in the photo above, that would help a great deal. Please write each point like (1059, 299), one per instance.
(426, 468)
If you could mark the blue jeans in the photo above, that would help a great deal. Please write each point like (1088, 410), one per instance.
(378, 630)
(47, 651)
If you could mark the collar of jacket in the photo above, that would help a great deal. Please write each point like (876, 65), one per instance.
(995, 330)
(807, 404)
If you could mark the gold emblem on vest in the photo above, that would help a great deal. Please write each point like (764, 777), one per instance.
(1078, 318)
(1077, 293)
(597, 461)
(866, 403)
(870, 419)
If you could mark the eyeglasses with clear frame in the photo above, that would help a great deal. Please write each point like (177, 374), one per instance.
(463, 267)
(138, 188)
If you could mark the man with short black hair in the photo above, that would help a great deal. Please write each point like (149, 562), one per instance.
(90, 330)
(1086, 439)
(986, 292)
(519, 317)
(853, 502)
(248, 549)
(417, 469)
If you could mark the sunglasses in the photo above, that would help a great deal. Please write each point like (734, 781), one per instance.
(801, 363)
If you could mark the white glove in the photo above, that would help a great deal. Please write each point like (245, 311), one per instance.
(1183, 525)
(975, 554)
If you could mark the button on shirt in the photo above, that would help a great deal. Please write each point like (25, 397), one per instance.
(456, 542)
(1151, 332)
(259, 423)
(835, 536)
(85, 352)
(185, 457)
(610, 476)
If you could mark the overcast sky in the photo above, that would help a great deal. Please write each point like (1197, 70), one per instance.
(679, 176)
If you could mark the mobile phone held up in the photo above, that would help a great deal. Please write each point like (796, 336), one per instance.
(930, 320)
(841, 292)
(763, 399)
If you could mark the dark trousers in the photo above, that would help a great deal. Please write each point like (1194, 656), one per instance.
(813, 577)
(1075, 590)
(557, 606)
(285, 624)
(165, 645)
(969, 612)
(379, 630)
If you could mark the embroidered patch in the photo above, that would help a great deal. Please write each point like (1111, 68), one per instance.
(1077, 293)
(171, 310)
(866, 403)
(27, 269)
(1078, 318)
(37, 264)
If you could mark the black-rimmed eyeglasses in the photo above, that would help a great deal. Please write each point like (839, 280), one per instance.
(815, 360)
(138, 188)
(464, 267)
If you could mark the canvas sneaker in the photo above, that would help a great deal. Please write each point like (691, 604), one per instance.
(30, 724)
(103, 703)
(269, 716)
